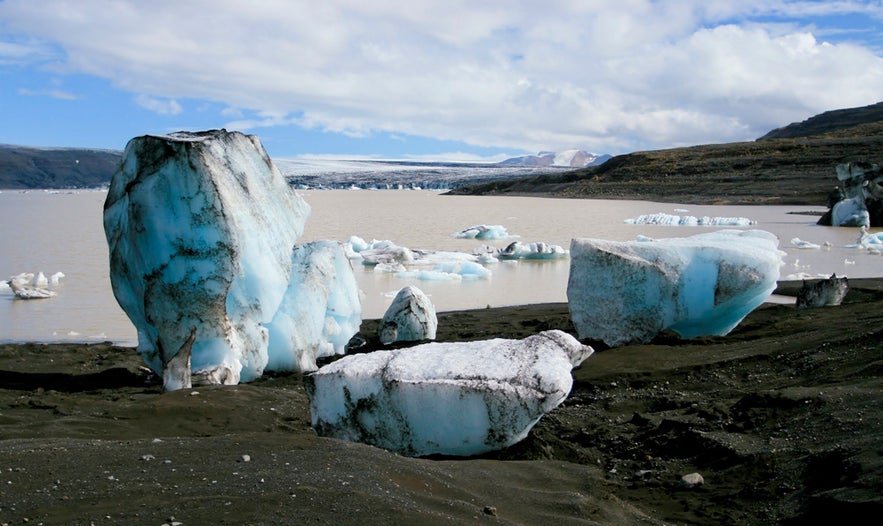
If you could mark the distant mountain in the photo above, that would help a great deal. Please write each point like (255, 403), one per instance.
(828, 121)
(795, 171)
(565, 159)
(23, 167)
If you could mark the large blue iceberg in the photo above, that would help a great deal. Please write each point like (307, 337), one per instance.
(201, 229)
(627, 292)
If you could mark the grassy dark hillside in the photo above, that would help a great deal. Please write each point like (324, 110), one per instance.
(828, 122)
(794, 171)
(24, 167)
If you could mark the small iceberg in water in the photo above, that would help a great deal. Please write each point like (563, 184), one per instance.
(687, 220)
(484, 232)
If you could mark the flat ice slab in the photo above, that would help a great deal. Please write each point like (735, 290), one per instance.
(462, 398)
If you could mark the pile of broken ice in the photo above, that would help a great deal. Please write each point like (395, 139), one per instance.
(627, 292)
(445, 398)
(201, 229)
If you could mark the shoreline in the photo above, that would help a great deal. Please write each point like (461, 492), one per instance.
(784, 288)
(781, 418)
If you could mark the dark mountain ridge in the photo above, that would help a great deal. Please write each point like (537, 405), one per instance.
(797, 170)
(24, 167)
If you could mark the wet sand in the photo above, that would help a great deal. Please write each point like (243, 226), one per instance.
(783, 418)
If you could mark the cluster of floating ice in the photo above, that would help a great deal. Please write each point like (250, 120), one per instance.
(438, 265)
(662, 218)
(30, 286)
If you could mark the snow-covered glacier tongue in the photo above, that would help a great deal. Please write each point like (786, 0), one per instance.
(201, 229)
(627, 292)
(463, 398)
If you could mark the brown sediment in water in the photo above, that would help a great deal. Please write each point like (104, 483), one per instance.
(782, 418)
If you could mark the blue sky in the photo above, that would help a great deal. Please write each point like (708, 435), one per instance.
(427, 79)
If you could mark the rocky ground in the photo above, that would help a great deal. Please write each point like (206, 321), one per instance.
(782, 419)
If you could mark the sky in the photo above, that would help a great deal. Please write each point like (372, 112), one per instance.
(466, 80)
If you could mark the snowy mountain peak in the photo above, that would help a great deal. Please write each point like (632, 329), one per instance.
(566, 159)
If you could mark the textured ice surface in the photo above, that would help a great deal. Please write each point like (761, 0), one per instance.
(850, 212)
(662, 218)
(320, 311)
(445, 398)
(484, 232)
(410, 317)
(201, 229)
(627, 292)
(538, 250)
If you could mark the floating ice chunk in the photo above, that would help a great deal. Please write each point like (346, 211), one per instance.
(866, 240)
(466, 269)
(799, 243)
(357, 244)
(484, 232)
(389, 268)
(40, 280)
(441, 256)
(23, 287)
(445, 398)
(385, 252)
(850, 212)
(56, 278)
(320, 311)
(540, 250)
(662, 218)
(410, 317)
(627, 292)
(428, 275)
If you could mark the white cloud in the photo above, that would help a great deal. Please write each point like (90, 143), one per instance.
(606, 75)
(163, 107)
(52, 93)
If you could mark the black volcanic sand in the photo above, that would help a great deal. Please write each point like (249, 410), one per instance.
(783, 418)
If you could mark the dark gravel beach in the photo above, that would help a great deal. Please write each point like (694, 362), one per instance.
(783, 420)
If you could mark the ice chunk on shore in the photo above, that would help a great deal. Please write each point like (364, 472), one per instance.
(200, 228)
(320, 312)
(410, 317)
(445, 398)
(627, 292)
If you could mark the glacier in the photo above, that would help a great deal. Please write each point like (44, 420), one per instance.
(201, 230)
(463, 398)
(627, 292)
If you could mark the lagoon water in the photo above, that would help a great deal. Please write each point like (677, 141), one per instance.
(53, 231)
